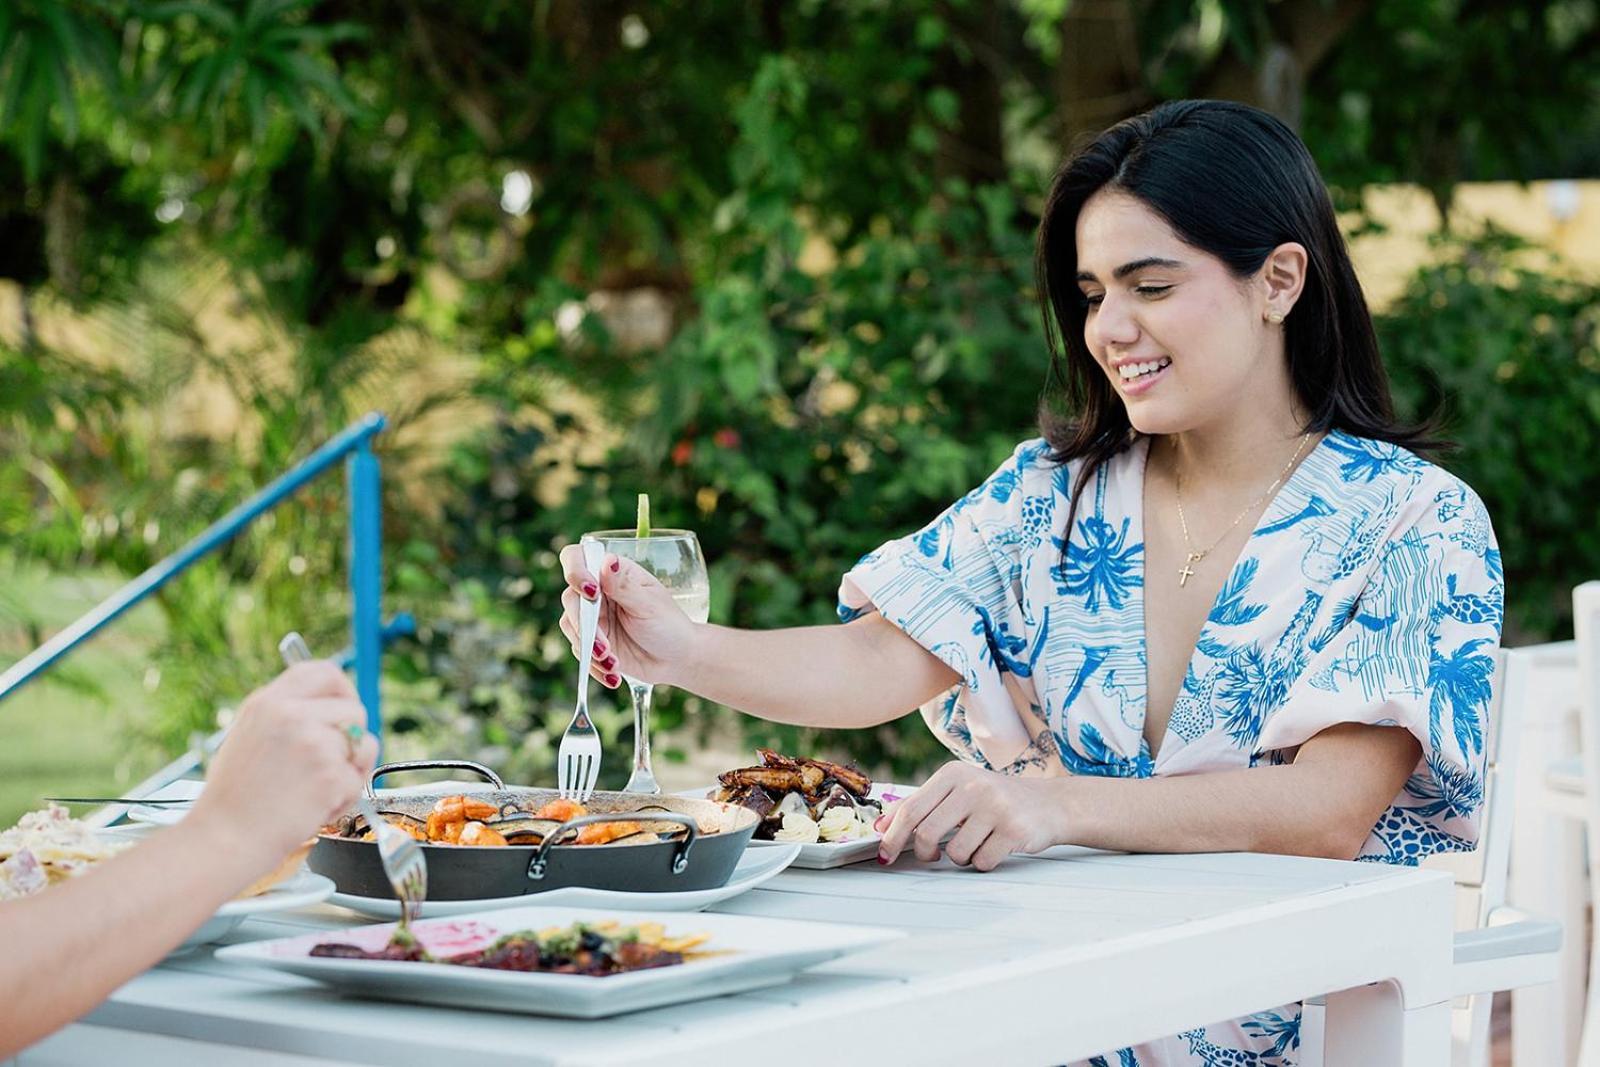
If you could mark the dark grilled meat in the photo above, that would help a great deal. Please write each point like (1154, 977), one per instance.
(775, 780)
(410, 952)
(753, 797)
(849, 777)
(507, 954)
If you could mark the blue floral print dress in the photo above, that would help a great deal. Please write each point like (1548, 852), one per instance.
(1370, 591)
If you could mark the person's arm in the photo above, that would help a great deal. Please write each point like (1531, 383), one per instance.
(857, 675)
(1323, 804)
(837, 677)
(286, 768)
(68, 947)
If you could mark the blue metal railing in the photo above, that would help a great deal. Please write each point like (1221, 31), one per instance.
(368, 635)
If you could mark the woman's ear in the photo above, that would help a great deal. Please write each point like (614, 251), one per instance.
(1283, 276)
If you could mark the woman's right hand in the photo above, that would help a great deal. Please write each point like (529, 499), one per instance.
(288, 765)
(642, 632)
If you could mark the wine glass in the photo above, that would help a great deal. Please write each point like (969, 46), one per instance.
(674, 557)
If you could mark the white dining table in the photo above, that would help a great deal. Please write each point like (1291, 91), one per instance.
(1048, 959)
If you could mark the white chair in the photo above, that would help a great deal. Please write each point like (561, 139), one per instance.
(1497, 947)
(1577, 781)
(1548, 871)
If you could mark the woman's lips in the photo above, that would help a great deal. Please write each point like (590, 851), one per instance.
(1144, 383)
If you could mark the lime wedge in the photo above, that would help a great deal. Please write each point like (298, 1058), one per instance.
(644, 515)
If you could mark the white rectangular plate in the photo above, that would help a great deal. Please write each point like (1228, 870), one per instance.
(824, 855)
(752, 952)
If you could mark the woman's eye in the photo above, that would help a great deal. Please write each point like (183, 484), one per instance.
(1152, 290)
(1091, 301)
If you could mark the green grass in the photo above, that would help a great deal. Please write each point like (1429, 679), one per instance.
(75, 730)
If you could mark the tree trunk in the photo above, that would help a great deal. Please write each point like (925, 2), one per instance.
(1303, 33)
(30, 336)
(1100, 76)
(971, 67)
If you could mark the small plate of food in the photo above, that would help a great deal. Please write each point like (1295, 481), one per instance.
(828, 809)
(48, 846)
(301, 889)
(583, 964)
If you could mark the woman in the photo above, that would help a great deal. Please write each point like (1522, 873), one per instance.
(1271, 626)
(66, 948)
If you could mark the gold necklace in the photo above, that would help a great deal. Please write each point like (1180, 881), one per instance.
(1186, 571)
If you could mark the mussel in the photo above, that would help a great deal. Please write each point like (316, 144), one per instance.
(355, 827)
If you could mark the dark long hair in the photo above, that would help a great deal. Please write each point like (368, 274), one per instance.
(1233, 181)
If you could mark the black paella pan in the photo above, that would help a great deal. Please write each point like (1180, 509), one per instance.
(684, 844)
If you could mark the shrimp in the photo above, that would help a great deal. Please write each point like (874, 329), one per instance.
(475, 833)
(561, 810)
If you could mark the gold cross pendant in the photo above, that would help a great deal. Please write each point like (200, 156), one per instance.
(1184, 572)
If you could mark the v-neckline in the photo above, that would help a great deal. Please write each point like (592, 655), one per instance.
(1269, 515)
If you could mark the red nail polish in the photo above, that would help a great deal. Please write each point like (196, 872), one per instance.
(607, 663)
(613, 680)
(599, 648)
(881, 861)
(591, 590)
(616, 565)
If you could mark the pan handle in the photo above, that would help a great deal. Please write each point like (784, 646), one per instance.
(430, 764)
(680, 858)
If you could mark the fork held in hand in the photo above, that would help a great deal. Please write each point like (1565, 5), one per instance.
(578, 760)
(403, 861)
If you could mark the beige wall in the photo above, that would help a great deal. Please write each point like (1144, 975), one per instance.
(1563, 217)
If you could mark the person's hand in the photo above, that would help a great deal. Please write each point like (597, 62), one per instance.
(642, 633)
(288, 764)
(991, 816)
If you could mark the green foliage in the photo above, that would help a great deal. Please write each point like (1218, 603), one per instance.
(1513, 354)
(46, 48)
(263, 55)
(97, 479)
(1404, 115)
(831, 207)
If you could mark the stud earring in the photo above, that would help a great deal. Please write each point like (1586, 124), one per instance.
(1275, 317)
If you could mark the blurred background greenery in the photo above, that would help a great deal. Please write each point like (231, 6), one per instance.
(768, 260)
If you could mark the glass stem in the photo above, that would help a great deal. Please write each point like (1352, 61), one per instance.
(643, 779)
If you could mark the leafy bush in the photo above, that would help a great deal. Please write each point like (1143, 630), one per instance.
(824, 398)
(832, 211)
(1511, 349)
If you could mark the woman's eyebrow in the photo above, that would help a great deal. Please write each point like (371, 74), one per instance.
(1128, 268)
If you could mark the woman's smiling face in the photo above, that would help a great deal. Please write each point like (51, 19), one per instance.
(1182, 339)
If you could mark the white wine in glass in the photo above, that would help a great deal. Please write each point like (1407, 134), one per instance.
(674, 557)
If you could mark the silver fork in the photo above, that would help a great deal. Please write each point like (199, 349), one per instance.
(403, 861)
(578, 760)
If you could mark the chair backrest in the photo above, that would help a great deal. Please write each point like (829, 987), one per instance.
(1480, 874)
(1586, 636)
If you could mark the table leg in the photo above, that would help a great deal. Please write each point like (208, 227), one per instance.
(1370, 1025)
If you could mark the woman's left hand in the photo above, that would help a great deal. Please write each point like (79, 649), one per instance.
(991, 815)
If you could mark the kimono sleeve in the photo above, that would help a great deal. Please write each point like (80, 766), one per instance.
(1416, 649)
(955, 588)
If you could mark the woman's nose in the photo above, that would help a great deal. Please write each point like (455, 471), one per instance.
(1112, 324)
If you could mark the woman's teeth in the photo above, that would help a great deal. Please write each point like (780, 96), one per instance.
(1130, 371)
